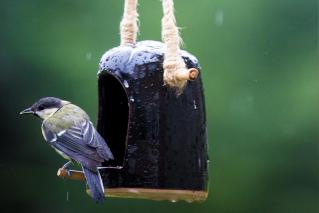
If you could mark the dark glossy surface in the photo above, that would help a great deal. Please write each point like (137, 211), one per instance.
(166, 143)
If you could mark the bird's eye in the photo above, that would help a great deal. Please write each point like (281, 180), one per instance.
(41, 108)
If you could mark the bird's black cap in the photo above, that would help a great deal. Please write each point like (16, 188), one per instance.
(43, 103)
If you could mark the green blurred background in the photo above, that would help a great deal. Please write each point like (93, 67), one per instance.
(260, 69)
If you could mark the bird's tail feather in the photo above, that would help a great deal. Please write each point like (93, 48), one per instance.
(95, 184)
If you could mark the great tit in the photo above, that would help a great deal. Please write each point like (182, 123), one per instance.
(68, 129)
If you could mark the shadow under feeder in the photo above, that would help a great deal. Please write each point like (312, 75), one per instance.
(158, 138)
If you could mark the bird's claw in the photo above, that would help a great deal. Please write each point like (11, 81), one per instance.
(67, 165)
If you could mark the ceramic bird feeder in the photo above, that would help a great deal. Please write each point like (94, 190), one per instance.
(156, 130)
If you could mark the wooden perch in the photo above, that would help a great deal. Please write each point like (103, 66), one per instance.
(72, 175)
(190, 74)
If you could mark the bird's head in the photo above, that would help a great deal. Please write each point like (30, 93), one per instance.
(45, 107)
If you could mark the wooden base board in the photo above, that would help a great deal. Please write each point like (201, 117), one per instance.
(157, 194)
(142, 193)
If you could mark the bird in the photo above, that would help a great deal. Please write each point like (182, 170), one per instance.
(67, 129)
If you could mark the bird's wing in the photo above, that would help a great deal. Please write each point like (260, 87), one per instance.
(93, 139)
(80, 142)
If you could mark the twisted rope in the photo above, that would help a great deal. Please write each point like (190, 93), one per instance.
(129, 23)
(175, 72)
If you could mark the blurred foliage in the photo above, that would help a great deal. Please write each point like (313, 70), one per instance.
(260, 69)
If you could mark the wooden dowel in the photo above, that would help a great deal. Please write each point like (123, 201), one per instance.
(190, 74)
(73, 174)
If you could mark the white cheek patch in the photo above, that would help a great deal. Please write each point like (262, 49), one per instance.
(46, 113)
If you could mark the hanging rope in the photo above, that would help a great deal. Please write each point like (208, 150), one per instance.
(175, 72)
(129, 23)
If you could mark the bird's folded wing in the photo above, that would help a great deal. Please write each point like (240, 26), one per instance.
(83, 140)
(93, 139)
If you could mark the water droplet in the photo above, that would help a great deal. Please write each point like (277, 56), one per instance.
(132, 99)
(219, 17)
(126, 84)
(173, 201)
(194, 103)
(67, 196)
(88, 56)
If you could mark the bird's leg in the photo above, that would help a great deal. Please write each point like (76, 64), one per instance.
(67, 166)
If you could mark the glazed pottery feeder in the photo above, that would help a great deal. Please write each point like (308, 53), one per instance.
(158, 138)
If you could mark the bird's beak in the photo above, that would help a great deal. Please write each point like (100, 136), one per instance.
(27, 111)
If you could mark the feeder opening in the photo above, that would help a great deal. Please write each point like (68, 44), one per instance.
(113, 117)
